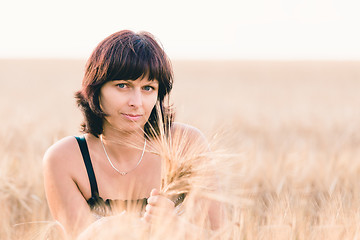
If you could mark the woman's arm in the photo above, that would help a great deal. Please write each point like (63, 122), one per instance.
(66, 203)
(191, 147)
(160, 211)
(199, 145)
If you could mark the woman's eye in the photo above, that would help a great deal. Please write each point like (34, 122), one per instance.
(148, 88)
(121, 85)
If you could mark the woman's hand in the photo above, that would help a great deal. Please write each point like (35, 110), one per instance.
(158, 206)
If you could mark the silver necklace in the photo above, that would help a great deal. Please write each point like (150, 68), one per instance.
(107, 156)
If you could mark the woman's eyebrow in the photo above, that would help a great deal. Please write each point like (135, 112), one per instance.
(119, 80)
(153, 83)
(148, 82)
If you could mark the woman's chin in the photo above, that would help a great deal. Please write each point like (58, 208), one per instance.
(130, 129)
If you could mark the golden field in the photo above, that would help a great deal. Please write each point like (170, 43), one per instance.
(285, 135)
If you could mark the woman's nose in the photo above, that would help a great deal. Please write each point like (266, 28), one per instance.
(135, 99)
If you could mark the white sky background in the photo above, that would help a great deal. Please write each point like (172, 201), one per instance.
(188, 29)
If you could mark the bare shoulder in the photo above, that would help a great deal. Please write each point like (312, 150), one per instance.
(61, 153)
(183, 128)
(64, 181)
(188, 132)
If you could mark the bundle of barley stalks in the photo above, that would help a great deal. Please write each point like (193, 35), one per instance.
(283, 155)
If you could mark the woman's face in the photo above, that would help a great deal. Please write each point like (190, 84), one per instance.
(128, 103)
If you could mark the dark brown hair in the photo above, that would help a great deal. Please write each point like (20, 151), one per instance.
(124, 55)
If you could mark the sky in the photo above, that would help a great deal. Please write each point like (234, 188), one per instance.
(187, 29)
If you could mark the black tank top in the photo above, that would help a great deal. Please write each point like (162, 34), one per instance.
(103, 207)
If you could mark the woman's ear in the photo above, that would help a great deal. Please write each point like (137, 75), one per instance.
(100, 105)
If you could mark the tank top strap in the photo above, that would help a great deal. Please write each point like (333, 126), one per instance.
(89, 168)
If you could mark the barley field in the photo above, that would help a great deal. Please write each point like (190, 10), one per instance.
(285, 140)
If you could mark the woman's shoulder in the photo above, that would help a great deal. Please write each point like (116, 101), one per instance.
(61, 152)
(190, 133)
(183, 128)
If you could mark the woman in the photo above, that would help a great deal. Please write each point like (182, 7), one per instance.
(113, 165)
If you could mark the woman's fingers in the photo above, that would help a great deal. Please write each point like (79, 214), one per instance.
(153, 200)
(161, 202)
(158, 205)
(149, 209)
(158, 200)
(147, 217)
(154, 192)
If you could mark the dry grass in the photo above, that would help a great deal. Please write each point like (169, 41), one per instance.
(285, 137)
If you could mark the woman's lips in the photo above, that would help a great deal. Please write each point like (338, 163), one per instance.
(132, 117)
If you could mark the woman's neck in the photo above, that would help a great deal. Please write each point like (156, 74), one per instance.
(123, 146)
